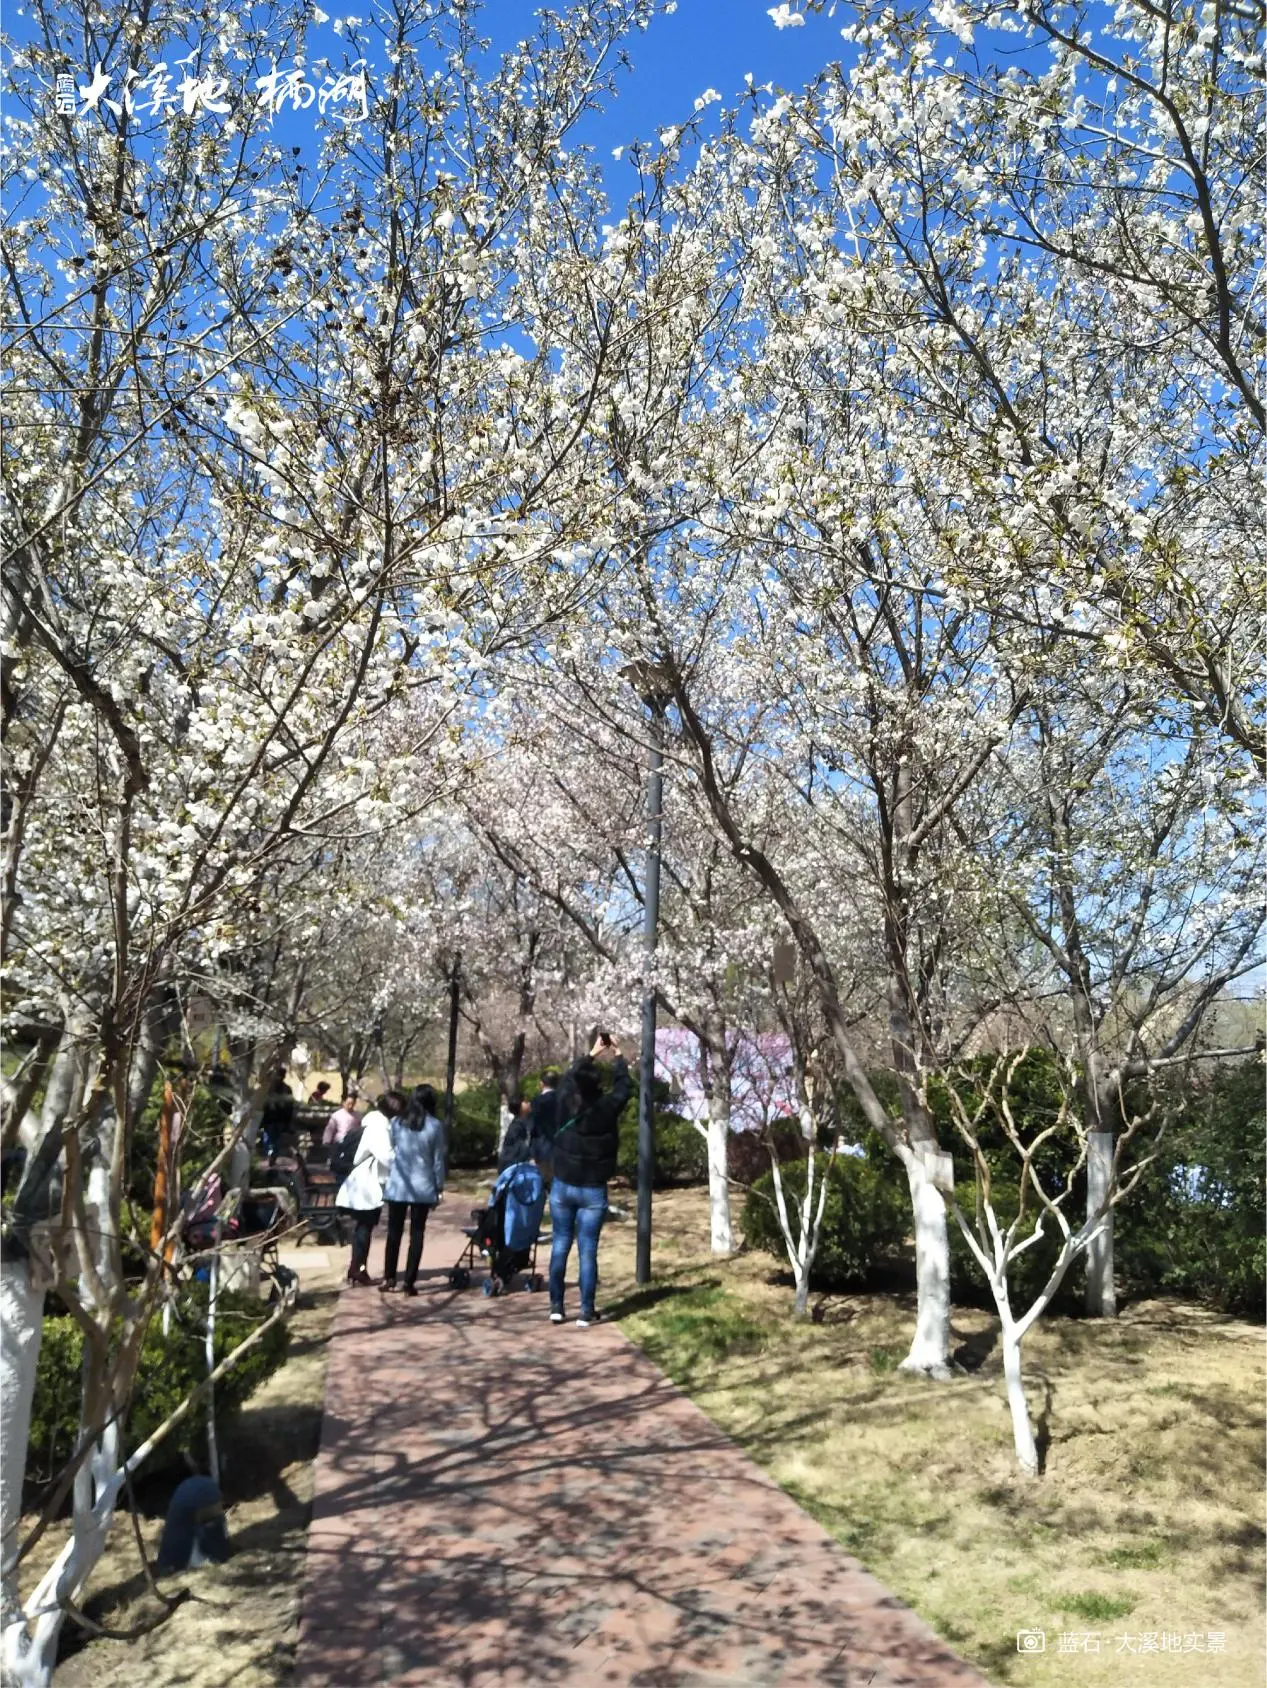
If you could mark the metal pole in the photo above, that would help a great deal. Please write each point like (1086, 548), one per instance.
(213, 1289)
(455, 998)
(651, 916)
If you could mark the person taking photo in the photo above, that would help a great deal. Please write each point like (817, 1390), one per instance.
(584, 1159)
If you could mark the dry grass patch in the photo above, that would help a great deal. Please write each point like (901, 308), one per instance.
(1148, 1519)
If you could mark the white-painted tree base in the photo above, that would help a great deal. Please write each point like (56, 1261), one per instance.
(721, 1234)
(930, 1346)
(1101, 1296)
(21, 1328)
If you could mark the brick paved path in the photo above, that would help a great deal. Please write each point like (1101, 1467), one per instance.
(502, 1501)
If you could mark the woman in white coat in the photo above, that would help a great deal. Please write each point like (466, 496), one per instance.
(361, 1192)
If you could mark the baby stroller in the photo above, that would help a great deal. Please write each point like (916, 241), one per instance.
(506, 1230)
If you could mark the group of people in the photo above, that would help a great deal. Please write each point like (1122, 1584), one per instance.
(394, 1156)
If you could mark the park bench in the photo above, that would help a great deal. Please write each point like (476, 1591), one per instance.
(314, 1188)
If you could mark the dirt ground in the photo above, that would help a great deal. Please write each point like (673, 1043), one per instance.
(240, 1621)
(1136, 1557)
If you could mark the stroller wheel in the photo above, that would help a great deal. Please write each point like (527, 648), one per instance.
(459, 1278)
(532, 1284)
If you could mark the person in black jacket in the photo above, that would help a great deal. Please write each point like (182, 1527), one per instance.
(584, 1159)
(520, 1141)
(545, 1121)
(278, 1118)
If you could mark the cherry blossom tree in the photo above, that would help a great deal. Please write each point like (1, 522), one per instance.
(267, 521)
(1120, 896)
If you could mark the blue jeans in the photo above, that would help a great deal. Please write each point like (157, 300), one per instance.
(576, 1210)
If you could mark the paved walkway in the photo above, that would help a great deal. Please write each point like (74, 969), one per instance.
(502, 1501)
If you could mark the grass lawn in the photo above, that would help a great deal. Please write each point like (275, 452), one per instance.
(1148, 1519)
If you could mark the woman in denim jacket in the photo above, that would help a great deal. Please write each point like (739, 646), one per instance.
(414, 1184)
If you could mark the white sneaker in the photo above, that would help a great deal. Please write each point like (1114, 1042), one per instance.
(556, 1315)
(586, 1320)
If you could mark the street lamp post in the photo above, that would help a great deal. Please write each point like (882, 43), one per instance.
(650, 924)
(651, 685)
(450, 1076)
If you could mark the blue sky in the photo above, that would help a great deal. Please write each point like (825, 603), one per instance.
(704, 44)
(707, 44)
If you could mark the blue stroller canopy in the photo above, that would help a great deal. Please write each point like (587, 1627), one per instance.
(525, 1192)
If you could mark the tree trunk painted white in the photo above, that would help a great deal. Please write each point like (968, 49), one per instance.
(794, 1238)
(930, 1346)
(718, 1137)
(801, 1240)
(30, 1645)
(30, 1653)
(995, 1254)
(22, 1323)
(714, 1068)
(805, 1243)
(21, 1328)
(1101, 1298)
(1022, 1429)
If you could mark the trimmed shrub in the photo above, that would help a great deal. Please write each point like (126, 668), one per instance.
(681, 1154)
(865, 1219)
(1196, 1223)
(748, 1153)
(171, 1367)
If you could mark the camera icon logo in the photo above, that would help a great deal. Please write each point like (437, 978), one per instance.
(1031, 1641)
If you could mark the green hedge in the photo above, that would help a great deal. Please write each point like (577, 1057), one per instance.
(171, 1367)
(865, 1220)
(681, 1152)
(1035, 1095)
(1196, 1224)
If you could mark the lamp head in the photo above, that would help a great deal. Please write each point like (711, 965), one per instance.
(651, 681)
